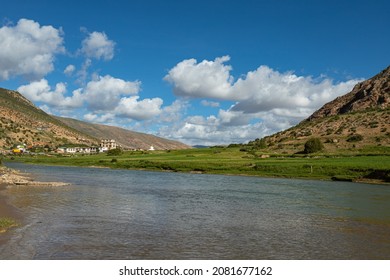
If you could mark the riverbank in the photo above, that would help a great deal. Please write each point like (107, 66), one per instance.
(9, 216)
(10, 176)
(361, 167)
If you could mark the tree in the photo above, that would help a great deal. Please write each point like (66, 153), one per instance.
(313, 145)
(262, 144)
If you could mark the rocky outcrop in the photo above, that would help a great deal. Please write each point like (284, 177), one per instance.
(371, 94)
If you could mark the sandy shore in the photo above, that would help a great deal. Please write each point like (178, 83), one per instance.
(11, 177)
(7, 211)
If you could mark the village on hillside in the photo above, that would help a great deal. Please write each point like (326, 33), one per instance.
(105, 146)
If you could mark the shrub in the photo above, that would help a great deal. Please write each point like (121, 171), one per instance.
(259, 143)
(355, 138)
(114, 152)
(313, 145)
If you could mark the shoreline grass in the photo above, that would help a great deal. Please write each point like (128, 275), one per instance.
(6, 224)
(367, 167)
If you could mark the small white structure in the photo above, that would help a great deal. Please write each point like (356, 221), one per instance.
(103, 149)
(151, 148)
(61, 150)
(71, 150)
(108, 144)
(85, 150)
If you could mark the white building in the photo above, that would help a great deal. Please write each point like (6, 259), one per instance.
(74, 150)
(108, 144)
(71, 150)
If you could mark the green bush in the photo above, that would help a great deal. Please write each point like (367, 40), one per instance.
(355, 138)
(261, 144)
(114, 152)
(313, 145)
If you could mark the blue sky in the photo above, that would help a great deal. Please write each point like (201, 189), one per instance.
(201, 72)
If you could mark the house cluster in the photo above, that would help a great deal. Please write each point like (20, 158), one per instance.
(105, 145)
(19, 149)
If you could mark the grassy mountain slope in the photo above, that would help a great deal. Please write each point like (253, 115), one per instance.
(126, 138)
(22, 122)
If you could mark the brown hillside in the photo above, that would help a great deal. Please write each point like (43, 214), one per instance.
(358, 120)
(22, 122)
(370, 94)
(126, 138)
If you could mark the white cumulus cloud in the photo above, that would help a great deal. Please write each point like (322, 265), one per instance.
(40, 91)
(200, 130)
(258, 91)
(104, 118)
(28, 49)
(205, 79)
(106, 98)
(265, 101)
(105, 92)
(69, 69)
(266, 89)
(144, 109)
(98, 46)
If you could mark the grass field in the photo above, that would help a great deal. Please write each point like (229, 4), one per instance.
(371, 164)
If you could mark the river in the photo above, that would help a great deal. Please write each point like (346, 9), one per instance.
(126, 214)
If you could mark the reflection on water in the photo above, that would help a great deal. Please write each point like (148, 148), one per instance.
(122, 214)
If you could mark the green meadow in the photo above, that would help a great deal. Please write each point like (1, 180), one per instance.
(371, 164)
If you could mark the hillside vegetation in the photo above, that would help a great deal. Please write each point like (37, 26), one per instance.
(339, 134)
(22, 122)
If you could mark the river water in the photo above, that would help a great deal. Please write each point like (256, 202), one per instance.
(125, 214)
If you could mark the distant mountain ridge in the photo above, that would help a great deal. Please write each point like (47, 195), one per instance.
(126, 138)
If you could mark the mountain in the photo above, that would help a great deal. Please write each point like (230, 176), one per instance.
(359, 119)
(371, 94)
(126, 138)
(22, 122)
